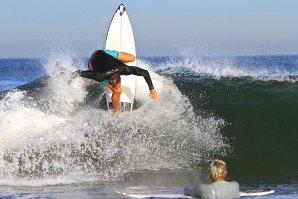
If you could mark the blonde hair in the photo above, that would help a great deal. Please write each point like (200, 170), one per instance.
(218, 168)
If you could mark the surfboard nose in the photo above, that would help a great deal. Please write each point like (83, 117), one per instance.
(121, 8)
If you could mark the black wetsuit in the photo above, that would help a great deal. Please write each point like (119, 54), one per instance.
(101, 65)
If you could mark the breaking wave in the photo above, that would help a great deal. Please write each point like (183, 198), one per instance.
(54, 130)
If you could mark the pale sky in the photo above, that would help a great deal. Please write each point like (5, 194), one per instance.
(36, 28)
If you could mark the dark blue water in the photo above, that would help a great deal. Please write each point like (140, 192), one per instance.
(15, 72)
(240, 109)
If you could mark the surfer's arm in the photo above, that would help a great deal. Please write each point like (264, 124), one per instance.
(132, 70)
(115, 89)
(116, 96)
(92, 75)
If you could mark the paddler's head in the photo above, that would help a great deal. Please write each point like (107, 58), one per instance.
(114, 79)
(218, 170)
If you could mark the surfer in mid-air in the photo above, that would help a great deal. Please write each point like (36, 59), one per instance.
(104, 64)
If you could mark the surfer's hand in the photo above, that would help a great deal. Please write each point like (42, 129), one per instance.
(77, 72)
(153, 95)
(73, 76)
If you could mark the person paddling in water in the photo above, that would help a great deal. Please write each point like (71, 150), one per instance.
(109, 65)
(220, 188)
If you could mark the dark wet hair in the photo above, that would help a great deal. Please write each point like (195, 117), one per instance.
(115, 76)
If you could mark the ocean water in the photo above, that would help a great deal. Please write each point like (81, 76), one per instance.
(57, 140)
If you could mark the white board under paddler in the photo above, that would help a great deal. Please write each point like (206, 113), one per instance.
(120, 38)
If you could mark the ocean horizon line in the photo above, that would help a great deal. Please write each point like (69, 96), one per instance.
(164, 56)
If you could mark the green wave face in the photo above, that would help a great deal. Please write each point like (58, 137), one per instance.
(262, 123)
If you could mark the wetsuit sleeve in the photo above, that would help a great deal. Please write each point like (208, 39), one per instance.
(93, 75)
(132, 70)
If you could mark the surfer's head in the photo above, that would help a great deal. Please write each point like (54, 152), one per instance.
(218, 170)
(114, 79)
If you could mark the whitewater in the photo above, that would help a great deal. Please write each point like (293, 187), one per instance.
(58, 140)
(57, 132)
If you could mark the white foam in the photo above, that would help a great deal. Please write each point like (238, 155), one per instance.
(64, 95)
(225, 67)
(57, 139)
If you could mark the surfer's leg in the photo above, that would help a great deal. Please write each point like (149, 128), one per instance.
(126, 57)
(133, 70)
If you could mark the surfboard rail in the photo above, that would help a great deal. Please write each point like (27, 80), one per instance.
(256, 192)
(147, 193)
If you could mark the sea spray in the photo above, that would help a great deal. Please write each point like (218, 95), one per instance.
(276, 68)
(63, 92)
(77, 141)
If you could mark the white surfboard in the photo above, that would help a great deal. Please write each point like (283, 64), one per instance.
(153, 194)
(120, 38)
(165, 195)
(136, 192)
(257, 192)
(173, 195)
